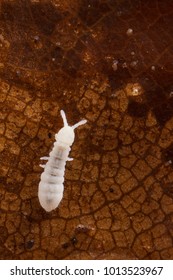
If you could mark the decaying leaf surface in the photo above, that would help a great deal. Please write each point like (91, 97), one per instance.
(110, 62)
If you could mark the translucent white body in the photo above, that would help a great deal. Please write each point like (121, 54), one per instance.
(50, 190)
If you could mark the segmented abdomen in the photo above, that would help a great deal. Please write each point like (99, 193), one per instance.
(51, 186)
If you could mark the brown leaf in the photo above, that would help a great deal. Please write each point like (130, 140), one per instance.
(110, 62)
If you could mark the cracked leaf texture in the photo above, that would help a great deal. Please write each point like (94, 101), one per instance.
(110, 62)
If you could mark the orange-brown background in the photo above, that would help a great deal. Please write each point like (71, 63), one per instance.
(110, 62)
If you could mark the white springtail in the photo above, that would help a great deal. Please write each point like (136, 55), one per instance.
(50, 190)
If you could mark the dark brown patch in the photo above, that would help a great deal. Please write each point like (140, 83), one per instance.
(136, 109)
(167, 154)
(164, 111)
(91, 11)
(45, 16)
(29, 244)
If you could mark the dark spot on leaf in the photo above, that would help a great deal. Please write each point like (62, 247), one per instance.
(29, 244)
(167, 154)
(136, 109)
(74, 240)
(65, 245)
(119, 78)
(164, 111)
(168, 189)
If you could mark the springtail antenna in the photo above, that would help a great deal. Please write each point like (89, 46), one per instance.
(79, 123)
(66, 123)
(64, 118)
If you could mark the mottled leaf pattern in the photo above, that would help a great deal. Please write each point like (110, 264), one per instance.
(110, 62)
